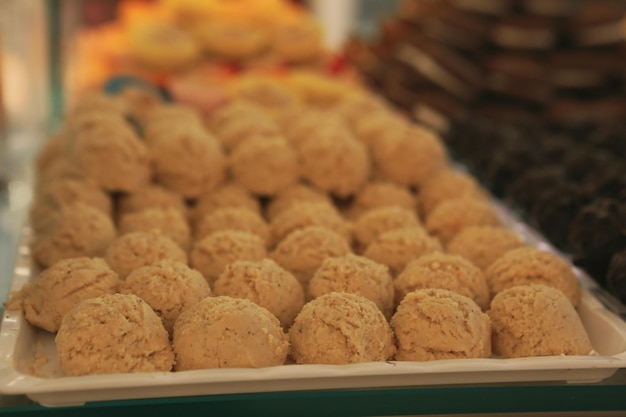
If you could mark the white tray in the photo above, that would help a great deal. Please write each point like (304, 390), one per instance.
(28, 362)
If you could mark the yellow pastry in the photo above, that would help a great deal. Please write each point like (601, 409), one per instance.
(298, 41)
(162, 46)
(231, 39)
(319, 90)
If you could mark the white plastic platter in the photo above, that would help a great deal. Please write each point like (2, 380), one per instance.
(28, 364)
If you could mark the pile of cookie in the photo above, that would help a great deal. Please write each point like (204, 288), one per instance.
(561, 60)
(341, 223)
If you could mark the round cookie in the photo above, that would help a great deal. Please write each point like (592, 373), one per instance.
(169, 120)
(113, 334)
(536, 320)
(452, 216)
(149, 197)
(112, 156)
(76, 230)
(303, 251)
(301, 124)
(340, 328)
(334, 161)
(230, 112)
(396, 248)
(294, 194)
(62, 286)
(303, 214)
(374, 222)
(433, 324)
(443, 186)
(233, 133)
(378, 194)
(170, 222)
(447, 272)
(226, 195)
(134, 250)
(528, 265)
(233, 218)
(483, 245)
(264, 166)
(409, 156)
(249, 335)
(211, 254)
(355, 275)
(189, 163)
(65, 191)
(266, 284)
(169, 287)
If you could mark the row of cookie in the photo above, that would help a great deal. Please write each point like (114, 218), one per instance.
(337, 328)
(62, 299)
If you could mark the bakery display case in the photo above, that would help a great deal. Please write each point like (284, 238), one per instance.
(341, 208)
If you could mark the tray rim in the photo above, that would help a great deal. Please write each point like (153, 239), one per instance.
(65, 390)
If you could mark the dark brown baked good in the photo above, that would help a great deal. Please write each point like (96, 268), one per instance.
(596, 233)
(616, 277)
